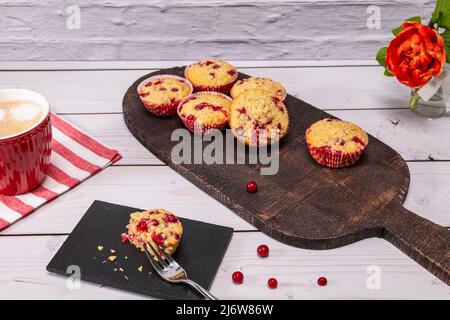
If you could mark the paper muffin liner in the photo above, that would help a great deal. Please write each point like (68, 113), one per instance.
(225, 89)
(329, 157)
(192, 123)
(162, 109)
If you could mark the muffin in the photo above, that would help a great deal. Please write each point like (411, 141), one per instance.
(211, 75)
(275, 88)
(336, 143)
(161, 94)
(204, 111)
(257, 118)
(156, 226)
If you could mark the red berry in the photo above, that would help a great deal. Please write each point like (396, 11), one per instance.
(238, 277)
(252, 187)
(170, 218)
(154, 222)
(157, 237)
(322, 281)
(142, 226)
(272, 283)
(263, 250)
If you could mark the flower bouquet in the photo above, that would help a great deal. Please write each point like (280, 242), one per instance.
(417, 57)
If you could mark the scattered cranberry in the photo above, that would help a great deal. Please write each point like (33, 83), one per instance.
(322, 281)
(272, 283)
(238, 277)
(263, 250)
(124, 238)
(252, 187)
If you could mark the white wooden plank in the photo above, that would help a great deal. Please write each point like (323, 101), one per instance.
(23, 274)
(429, 191)
(152, 187)
(324, 87)
(413, 136)
(111, 130)
(124, 65)
(140, 187)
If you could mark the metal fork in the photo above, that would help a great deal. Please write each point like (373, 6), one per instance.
(171, 271)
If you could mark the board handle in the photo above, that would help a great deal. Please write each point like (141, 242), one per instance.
(424, 241)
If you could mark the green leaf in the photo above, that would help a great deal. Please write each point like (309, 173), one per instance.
(381, 58)
(446, 36)
(441, 14)
(396, 31)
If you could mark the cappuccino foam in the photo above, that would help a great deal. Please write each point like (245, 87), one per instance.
(17, 116)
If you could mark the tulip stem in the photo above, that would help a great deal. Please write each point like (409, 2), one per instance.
(413, 100)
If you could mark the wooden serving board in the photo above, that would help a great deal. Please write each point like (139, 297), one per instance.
(304, 204)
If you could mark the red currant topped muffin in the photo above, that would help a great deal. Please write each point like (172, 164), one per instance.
(211, 75)
(156, 226)
(257, 118)
(203, 111)
(275, 88)
(336, 143)
(161, 94)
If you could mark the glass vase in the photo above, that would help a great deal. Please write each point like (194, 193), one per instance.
(433, 108)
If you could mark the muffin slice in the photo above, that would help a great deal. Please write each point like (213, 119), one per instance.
(257, 118)
(156, 226)
(202, 112)
(336, 143)
(275, 88)
(211, 75)
(161, 94)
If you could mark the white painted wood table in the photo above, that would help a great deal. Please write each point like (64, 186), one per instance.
(89, 94)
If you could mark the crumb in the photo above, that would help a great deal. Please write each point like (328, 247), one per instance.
(104, 261)
(112, 258)
(140, 269)
(120, 269)
(126, 278)
(115, 269)
(126, 257)
(100, 248)
(113, 251)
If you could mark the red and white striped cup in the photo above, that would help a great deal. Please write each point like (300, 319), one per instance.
(25, 156)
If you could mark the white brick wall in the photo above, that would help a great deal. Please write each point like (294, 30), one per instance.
(175, 29)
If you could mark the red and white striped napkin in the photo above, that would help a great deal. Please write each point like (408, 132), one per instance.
(75, 157)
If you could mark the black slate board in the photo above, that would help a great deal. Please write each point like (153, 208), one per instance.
(200, 253)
